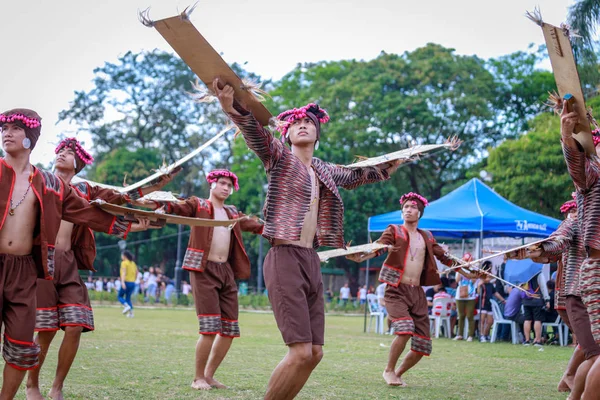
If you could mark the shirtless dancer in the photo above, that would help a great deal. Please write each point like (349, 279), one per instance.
(215, 257)
(410, 265)
(585, 173)
(303, 210)
(566, 246)
(32, 203)
(63, 303)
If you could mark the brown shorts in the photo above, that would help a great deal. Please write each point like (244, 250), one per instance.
(18, 278)
(580, 325)
(216, 299)
(408, 315)
(589, 282)
(63, 301)
(295, 285)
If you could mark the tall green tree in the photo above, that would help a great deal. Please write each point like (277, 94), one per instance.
(530, 171)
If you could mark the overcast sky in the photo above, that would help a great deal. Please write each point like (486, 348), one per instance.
(50, 48)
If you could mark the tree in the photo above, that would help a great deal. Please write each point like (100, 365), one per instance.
(530, 171)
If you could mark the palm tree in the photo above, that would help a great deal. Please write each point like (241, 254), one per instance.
(583, 18)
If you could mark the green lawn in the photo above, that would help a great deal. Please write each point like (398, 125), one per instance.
(152, 357)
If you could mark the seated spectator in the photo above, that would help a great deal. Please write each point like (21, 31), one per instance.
(512, 308)
(430, 294)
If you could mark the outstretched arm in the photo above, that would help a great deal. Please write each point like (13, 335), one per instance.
(351, 178)
(78, 211)
(388, 237)
(582, 174)
(250, 224)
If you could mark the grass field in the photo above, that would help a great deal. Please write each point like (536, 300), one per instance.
(152, 357)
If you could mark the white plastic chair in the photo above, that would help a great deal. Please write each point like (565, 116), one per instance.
(499, 320)
(557, 327)
(376, 313)
(440, 314)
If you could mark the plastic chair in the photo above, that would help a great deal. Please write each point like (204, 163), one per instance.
(440, 314)
(375, 313)
(557, 327)
(499, 320)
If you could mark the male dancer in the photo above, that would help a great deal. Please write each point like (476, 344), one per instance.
(63, 303)
(215, 257)
(566, 243)
(410, 265)
(32, 204)
(585, 173)
(303, 210)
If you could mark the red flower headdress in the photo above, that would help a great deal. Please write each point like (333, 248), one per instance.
(596, 136)
(214, 176)
(414, 196)
(82, 157)
(311, 110)
(568, 206)
(31, 123)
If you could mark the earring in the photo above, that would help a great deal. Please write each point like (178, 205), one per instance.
(213, 186)
(26, 143)
(75, 164)
(317, 145)
(230, 191)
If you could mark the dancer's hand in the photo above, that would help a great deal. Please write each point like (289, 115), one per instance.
(225, 96)
(568, 120)
(355, 257)
(163, 180)
(140, 226)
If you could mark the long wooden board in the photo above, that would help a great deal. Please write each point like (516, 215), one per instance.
(158, 219)
(566, 76)
(363, 248)
(205, 62)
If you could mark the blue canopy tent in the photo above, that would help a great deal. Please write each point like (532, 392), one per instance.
(471, 211)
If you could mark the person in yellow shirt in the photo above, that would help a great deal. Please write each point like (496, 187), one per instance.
(129, 272)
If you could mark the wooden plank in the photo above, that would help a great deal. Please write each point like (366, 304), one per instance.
(159, 219)
(567, 79)
(205, 62)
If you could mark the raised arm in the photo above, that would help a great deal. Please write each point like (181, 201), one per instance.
(578, 164)
(258, 139)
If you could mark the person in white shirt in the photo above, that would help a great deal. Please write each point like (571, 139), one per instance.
(98, 284)
(380, 292)
(345, 294)
(185, 288)
(117, 285)
(362, 294)
(110, 286)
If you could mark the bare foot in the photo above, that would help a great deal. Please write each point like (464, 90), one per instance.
(391, 378)
(33, 393)
(215, 383)
(402, 383)
(201, 384)
(56, 394)
(565, 384)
